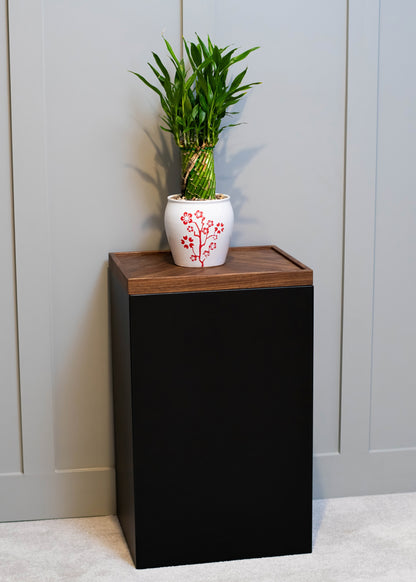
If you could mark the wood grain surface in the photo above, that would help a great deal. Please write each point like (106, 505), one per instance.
(251, 267)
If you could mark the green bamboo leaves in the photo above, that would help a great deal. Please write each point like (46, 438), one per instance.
(196, 99)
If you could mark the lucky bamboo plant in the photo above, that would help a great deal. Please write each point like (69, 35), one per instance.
(195, 101)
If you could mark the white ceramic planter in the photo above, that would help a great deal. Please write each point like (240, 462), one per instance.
(199, 231)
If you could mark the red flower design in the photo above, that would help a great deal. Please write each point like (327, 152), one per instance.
(186, 217)
(187, 243)
(204, 233)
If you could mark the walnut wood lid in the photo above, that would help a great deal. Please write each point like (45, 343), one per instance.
(246, 268)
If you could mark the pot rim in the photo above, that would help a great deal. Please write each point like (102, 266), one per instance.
(171, 198)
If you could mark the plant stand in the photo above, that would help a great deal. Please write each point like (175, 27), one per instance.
(212, 373)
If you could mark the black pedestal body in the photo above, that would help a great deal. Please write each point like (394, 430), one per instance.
(213, 423)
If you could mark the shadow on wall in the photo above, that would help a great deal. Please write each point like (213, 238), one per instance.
(230, 166)
(162, 174)
(319, 506)
(159, 170)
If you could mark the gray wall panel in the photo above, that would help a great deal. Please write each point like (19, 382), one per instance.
(101, 131)
(10, 450)
(393, 411)
(91, 172)
(378, 313)
(284, 169)
(84, 149)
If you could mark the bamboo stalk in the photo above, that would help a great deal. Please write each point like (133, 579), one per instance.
(198, 173)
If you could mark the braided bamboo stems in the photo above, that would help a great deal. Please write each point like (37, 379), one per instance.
(198, 175)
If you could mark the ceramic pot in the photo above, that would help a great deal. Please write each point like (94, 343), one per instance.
(199, 231)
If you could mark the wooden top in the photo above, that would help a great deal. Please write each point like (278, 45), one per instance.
(246, 268)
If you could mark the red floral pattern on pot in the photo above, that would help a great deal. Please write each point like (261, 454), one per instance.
(205, 233)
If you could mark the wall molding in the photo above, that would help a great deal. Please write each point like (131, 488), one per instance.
(58, 495)
(10, 425)
(31, 217)
(39, 491)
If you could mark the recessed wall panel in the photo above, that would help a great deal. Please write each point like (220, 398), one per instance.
(10, 452)
(109, 170)
(284, 166)
(393, 423)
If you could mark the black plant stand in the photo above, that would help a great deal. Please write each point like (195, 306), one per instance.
(212, 374)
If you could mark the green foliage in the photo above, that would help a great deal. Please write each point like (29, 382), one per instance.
(196, 99)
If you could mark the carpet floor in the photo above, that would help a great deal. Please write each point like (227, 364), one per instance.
(356, 539)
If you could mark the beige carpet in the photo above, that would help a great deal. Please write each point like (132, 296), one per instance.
(357, 539)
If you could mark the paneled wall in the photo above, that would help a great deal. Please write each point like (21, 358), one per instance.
(10, 446)
(88, 177)
(284, 169)
(377, 451)
(322, 167)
